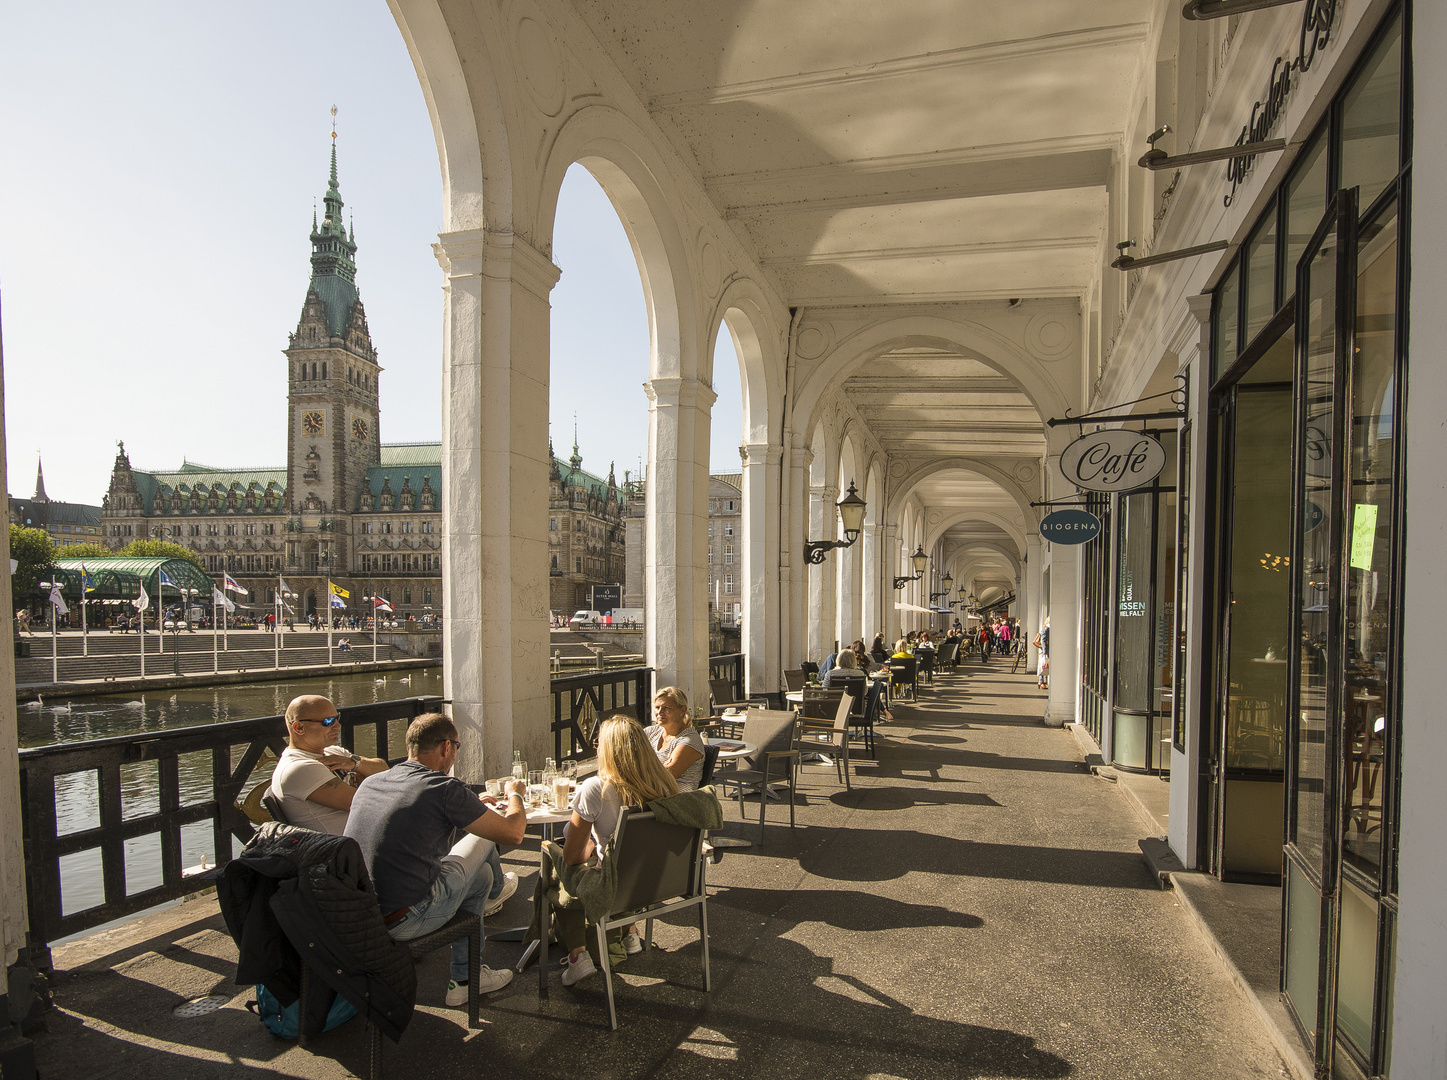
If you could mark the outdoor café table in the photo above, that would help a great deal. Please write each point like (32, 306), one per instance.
(793, 697)
(544, 817)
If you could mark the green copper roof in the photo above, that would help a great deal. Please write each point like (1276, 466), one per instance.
(334, 269)
(417, 454)
(121, 578)
(192, 477)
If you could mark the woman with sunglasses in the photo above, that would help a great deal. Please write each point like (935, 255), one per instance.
(315, 778)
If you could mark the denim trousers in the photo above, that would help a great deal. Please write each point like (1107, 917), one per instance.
(471, 874)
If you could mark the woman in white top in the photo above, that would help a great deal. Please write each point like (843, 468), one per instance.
(676, 740)
(629, 774)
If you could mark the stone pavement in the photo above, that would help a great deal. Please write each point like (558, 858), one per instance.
(975, 907)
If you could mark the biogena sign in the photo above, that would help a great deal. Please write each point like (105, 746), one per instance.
(1114, 460)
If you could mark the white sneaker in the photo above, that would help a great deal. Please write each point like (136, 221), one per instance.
(632, 944)
(488, 980)
(577, 970)
(509, 886)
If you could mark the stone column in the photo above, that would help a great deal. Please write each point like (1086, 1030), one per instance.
(494, 497)
(889, 570)
(677, 619)
(762, 570)
(824, 615)
(1030, 575)
(1064, 600)
(794, 581)
(869, 547)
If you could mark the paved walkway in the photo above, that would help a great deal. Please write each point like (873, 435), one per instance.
(975, 907)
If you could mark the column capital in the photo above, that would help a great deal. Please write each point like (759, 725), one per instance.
(760, 454)
(674, 391)
(496, 254)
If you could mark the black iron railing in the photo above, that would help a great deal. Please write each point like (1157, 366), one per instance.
(580, 701)
(219, 762)
(729, 666)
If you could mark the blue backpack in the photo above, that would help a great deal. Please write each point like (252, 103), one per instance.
(282, 1022)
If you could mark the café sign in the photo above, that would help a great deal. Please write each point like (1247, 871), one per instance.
(1070, 527)
(1114, 460)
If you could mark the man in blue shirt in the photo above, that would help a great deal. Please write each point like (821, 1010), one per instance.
(404, 826)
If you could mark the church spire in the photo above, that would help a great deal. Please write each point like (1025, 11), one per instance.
(334, 269)
(575, 461)
(39, 495)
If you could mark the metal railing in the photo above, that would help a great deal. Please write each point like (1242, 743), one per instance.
(729, 666)
(580, 701)
(119, 818)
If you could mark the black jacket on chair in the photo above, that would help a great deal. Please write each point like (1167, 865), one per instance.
(294, 892)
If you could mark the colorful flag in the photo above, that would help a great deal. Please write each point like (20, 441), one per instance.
(219, 597)
(143, 601)
(337, 590)
(337, 602)
(379, 604)
(230, 585)
(282, 585)
(57, 601)
(167, 581)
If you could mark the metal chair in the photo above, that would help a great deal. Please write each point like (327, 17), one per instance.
(904, 672)
(834, 737)
(660, 870)
(820, 704)
(862, 723)
(710, 762)
(796, 680)
(722, 691)
(926, 659)
(773, 733)
(272, 802)
(810, 669)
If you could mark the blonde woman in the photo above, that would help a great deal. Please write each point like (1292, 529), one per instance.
(677, 742)
(629, 774)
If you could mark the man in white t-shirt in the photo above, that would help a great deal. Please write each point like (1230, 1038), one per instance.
(315, 778)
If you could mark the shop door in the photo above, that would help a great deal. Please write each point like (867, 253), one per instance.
(1249, 758)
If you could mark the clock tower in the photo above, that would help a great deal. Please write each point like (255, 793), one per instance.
(332, 376)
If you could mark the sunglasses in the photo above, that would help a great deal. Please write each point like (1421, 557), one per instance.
(325, 721)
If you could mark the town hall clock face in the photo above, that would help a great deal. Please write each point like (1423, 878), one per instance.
(359, 430)
(313, 422)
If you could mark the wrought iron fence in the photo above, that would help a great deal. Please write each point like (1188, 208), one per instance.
(113, 815)
(580, 701)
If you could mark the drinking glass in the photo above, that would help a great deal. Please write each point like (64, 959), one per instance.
(494, 788)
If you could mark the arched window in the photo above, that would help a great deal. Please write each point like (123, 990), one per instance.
(324, 369)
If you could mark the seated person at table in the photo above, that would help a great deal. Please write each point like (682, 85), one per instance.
(404, 819)
(902, 650)
(847, 677)
(879, 650)
(316, 779)
(629, 774)
(677, 742)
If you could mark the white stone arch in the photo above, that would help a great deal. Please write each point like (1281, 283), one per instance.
(467, 120)
(874, 616)
(905, 487)
(745, 310)
(627, 167)
(955, 517)
(983, 552)
(980, 342)
(848, 561)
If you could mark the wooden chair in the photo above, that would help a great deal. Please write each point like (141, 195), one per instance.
(660, 870)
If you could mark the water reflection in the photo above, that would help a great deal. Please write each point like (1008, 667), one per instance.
(61, 721)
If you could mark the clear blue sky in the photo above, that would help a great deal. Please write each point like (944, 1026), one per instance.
(161, 163)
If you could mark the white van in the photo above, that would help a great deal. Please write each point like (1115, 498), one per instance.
(584, 618)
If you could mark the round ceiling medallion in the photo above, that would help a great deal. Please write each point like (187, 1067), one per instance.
(1047, 338)
(710, 267)
(542, 68)
(1025, 472)
(811, 343)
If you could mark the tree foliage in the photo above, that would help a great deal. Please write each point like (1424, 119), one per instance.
(35, 560)
(87, 550)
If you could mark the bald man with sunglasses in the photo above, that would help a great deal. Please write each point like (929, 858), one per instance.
(315, 778)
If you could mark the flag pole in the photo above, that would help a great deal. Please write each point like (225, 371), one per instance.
(215, 656)
(141, 628)
(329, 620)
(54, 656)
(374, 629)
(225, 642)
(160, 615)
(276, 614)
(84, 636)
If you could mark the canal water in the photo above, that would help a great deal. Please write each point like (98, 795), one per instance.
(59, 720)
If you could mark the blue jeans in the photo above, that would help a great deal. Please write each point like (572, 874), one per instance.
(471, 875)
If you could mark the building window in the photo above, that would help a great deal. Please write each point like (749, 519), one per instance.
(427, 527)
(251, 528)
(386, 526)
(406, 596)
(729, 584)
(427, 597)
(406, 526)
(730, 504)
(268, 529)
(366, 527)
(729, 555)
(578, 565)
(552, 524)
(231, 530)
(555, 562)
(728, 530)
(195, 530)
(212, 529)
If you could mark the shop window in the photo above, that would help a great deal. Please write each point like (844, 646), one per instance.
(1371, 121)
(1261, 277)
(1225, 339)
(1305, 204)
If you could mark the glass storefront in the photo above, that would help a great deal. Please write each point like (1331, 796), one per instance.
(1309, 366)
(1095, 636)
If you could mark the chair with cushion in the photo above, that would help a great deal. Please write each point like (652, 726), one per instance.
(774, 762)
(660, 871)
(834, 738)
(903, 672)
